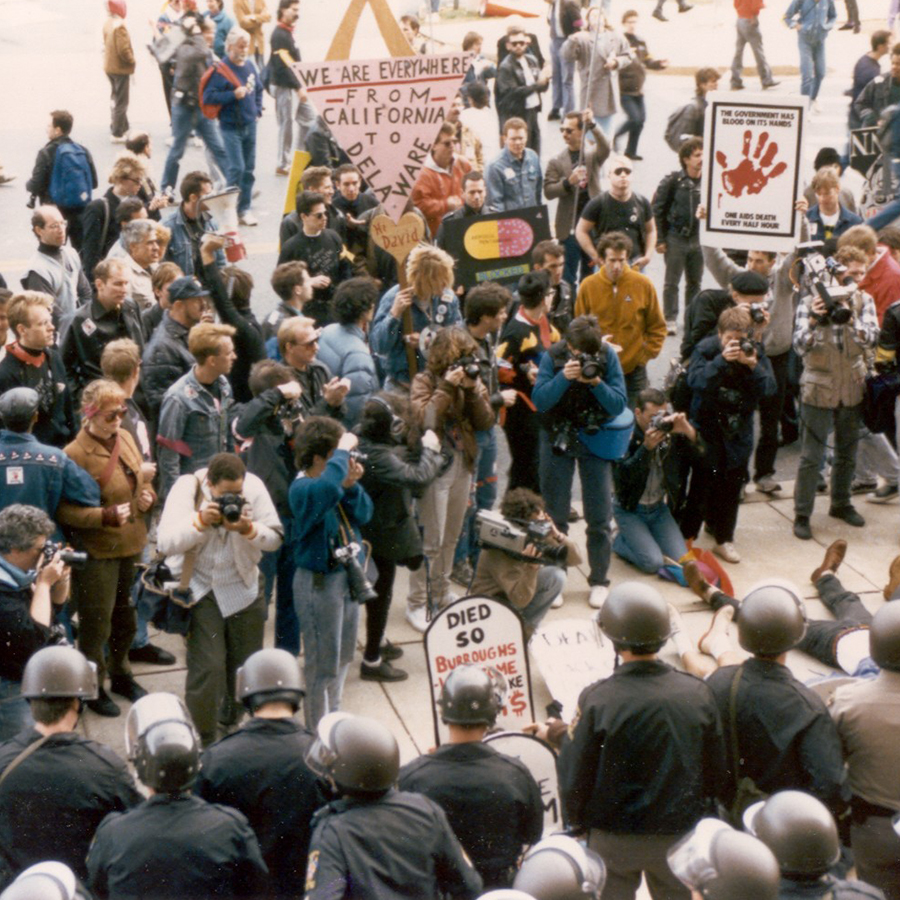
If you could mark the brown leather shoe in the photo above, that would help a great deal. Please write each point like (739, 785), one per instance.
(696, 582)
(893, 578)
(834, 556)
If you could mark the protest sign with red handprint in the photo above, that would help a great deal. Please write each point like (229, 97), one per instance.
(751, 174)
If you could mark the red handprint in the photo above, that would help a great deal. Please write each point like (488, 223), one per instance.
(747, 173)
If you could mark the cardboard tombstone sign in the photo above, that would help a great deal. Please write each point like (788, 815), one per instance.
(483, 632)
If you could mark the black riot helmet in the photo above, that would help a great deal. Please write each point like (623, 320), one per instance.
(270, 676)
(44, 881)
(358, 754)
(635, 617)
(55, 673)
(771, 619)
(723, 864)
(470, 696)
(799, 830)
(161, 743)
(559, 868)
(18, 407)
(884, 637)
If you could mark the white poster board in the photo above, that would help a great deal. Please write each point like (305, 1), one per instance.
(571, 654)
(540, 760)
(753, 151)
(480, 631)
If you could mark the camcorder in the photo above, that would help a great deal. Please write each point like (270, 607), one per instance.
(662, 421)
(592, 365)
(68, 557)
(826, 277)
(359, 586)
(231, 506)
(495, 532)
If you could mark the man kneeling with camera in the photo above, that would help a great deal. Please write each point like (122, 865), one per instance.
(216, 524)
(328, 507)
(524, 556)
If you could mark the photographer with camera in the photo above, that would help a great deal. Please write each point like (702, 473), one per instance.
(835, 331)
(219, 521)
(451, 399)
(30, 586)
(265, 433)
(329, 506)
(399, 465)
(113, 534)
(509, 575)
(728, 375)
(580, 387)
(651, 483)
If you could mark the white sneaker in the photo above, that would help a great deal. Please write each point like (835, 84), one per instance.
(768, 485)
(248, 219)
(118, 140)
(417, 618)
(558, 602)
(599, 593)
(728, 552)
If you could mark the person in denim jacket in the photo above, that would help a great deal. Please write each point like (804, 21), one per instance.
(514, 179)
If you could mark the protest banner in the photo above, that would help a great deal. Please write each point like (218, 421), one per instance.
(398, 239)
(483, 632)
(385, 114)
(540, 759)
(751, 175)
(495, 246)
(570, 655)
(874, 164)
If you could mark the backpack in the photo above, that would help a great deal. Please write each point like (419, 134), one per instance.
(212, 110)
(71, 180)
(678, 123)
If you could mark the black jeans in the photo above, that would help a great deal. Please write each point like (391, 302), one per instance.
(769, 416)
(119, 104)
(377, 609)
(522, 434)
(714, 496)
(634, 109)
(635, 381)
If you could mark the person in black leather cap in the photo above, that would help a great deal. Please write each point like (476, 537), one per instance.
(491, 800)
(260, 770)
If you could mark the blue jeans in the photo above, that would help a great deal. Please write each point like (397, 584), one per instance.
(550, 583)
(557, 474)
(240, 148)
(812, 64)
(329, 620)
(485, 494)
(646, 534)
(15, 713)
(184, 120)
(576, 262)
(636, 115)
(563, 80)
(278, 572)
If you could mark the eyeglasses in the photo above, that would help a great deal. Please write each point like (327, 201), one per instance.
(318, 215)
(568, 130)
(114, 414)
(621, 171)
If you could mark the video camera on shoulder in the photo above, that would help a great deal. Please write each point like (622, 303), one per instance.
(826, 277)
(494, 532)
(68, 557)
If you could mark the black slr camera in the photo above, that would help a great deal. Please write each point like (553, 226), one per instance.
(662, 421)
(592, 366)
(231, 505)
(68, 557)
(358, 456)
(758, 312)
(361, 590)
(748, 348)
(470, 365)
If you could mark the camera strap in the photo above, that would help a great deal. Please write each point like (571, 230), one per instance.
(190, 556)
(31, 748)
(104, 478)
(345, 529)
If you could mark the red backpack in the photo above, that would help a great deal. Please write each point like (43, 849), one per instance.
(212, 110)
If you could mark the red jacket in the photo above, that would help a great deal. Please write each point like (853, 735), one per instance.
(748, 9)
(882, 281)
(434, 186)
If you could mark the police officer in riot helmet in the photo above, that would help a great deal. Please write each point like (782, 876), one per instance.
(560, 868)
(134, 854)
(260, 768)
(491, 800)
(631, 795)
(718, 863)
(49, 880)
(383, 842)
(778, 728)
(57, 785)
(802, 834)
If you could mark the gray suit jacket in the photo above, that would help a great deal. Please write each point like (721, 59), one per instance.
(557, 187)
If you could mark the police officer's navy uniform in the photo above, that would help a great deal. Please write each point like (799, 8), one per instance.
(827, 888)
(260, 770)
(492, 802)
(395, 848)
(176, 846)
(53, 801)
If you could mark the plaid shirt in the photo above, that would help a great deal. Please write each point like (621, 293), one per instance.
(864, 328)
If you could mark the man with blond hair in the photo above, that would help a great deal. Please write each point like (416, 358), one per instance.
(194, 420)
(32, 361)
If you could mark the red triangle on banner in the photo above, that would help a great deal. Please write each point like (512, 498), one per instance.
(385, 114)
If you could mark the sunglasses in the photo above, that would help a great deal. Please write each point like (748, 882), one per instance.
(621, 171)
(568, 130)
(114, 414)
(318, 215)
(519, 43)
